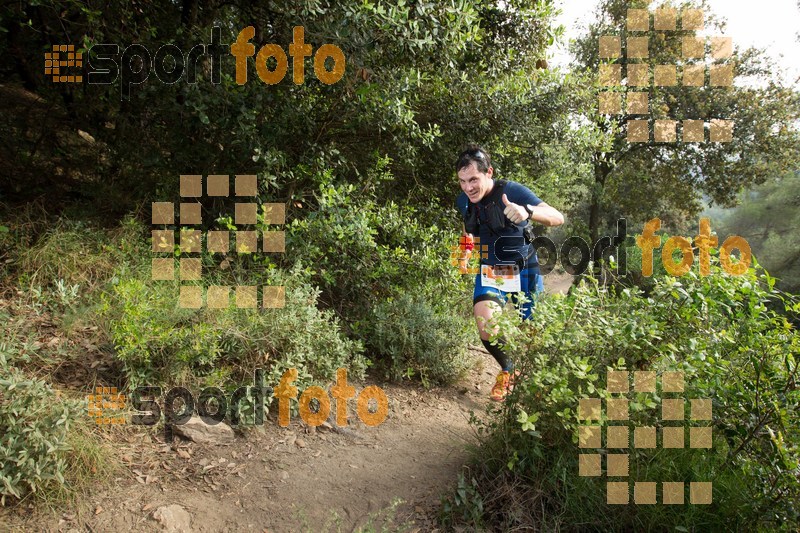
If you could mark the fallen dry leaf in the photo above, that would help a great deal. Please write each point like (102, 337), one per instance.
(85, 136)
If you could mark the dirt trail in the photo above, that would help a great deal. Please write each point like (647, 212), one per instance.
(297, 478)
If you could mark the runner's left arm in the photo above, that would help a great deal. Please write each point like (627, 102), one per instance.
(546, 215)
(540, 212)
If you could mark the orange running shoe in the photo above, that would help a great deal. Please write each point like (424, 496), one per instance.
(503, 385)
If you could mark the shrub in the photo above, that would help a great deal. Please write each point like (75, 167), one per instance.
(46, 445)
(304, 337)
(159, 341)
(730, 345)
(418, 339)
(465, 506)
(33, 441)
(33, 434)
(79, 253)
(367, 258)
(364, 252)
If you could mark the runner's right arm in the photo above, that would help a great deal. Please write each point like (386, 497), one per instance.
(466, 245)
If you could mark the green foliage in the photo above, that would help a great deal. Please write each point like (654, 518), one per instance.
(377, 264)
(47, 448)
(157, 340)
(768, 217)
(633, 265)
(54, 252)
(422, 79)
(417, 339)
(465, 506)
(5, 241)
(34, 423)
(721, 332)
(70, 251)
(381, 249)
(642, 180)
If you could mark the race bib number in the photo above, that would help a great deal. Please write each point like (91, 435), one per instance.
(502, 277)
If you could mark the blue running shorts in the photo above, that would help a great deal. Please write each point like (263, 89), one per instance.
(531, 283)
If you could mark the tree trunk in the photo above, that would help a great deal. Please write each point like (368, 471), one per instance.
(189, 13)
(601, 171)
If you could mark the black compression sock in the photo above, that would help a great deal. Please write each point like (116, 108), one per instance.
(499, 354)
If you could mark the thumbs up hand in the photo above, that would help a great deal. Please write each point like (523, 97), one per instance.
(514, 212)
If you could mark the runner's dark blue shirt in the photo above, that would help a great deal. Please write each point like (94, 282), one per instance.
(508, 244)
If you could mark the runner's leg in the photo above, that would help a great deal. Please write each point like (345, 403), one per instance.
(486, 302)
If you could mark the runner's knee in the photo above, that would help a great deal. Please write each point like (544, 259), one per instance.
(484, 311)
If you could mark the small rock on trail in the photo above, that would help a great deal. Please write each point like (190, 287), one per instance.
(173, 518)
(198, 431)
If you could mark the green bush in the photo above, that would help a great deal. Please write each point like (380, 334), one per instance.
(367, 258)
(77, 252)
(363, 252)
(465, 507)
(304, 337)
(418, 339)
(731, 346)
(158, 341)
(47, 445)
(33, 433)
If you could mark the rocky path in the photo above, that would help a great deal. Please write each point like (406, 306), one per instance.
(291, 479)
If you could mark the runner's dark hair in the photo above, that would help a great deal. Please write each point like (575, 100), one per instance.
(474, 154)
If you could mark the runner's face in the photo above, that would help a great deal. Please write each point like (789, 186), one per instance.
(475, 184)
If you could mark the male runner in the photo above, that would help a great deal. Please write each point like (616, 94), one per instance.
(499, 211)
